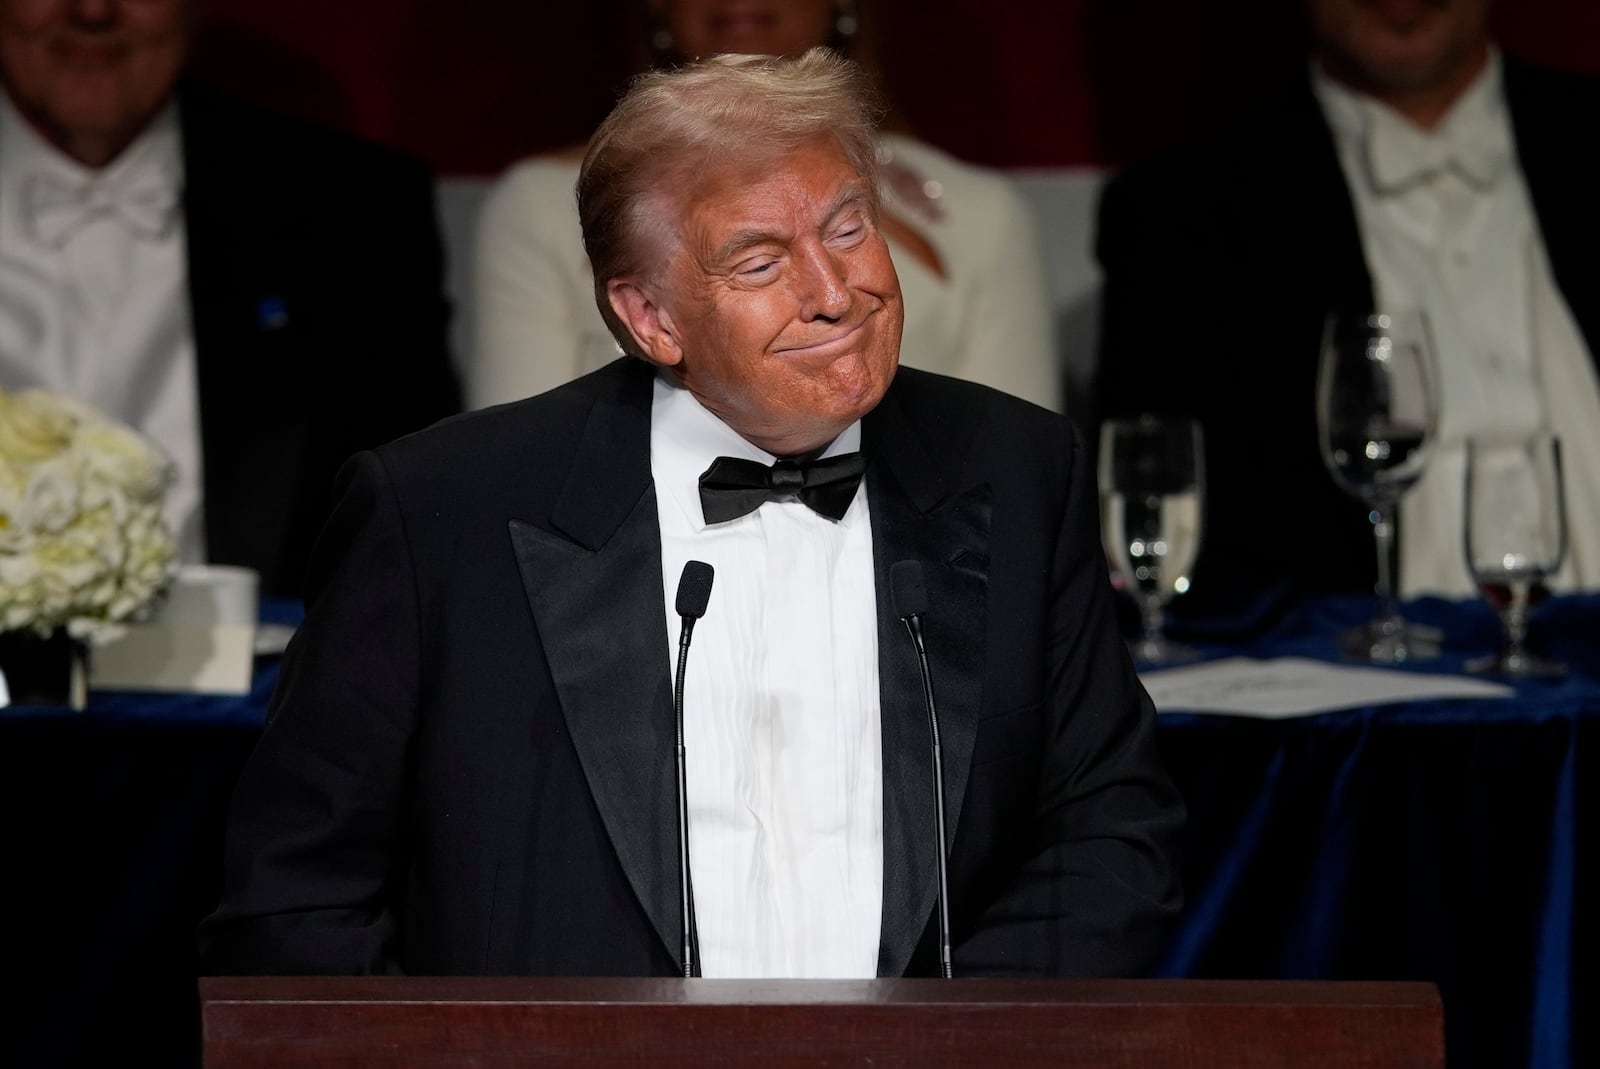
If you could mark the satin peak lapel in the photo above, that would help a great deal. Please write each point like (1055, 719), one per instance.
(595, 592)
(917, 516)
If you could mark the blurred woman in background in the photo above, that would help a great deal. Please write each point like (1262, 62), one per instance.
(963, 241)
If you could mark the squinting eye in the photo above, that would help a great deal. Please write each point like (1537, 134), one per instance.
(756, 270)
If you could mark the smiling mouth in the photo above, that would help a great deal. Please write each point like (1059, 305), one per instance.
(835, 345)
(87, 53)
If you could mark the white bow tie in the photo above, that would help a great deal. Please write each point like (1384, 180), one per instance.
(1399, 157)
(54, 210)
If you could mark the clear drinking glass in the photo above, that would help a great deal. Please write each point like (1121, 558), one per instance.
(1515, 524)
(1150, 516)
(1377, 414)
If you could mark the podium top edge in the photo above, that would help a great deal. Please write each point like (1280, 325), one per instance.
(677, 991)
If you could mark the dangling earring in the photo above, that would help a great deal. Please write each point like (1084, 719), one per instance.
(662, 56)
(845, 24)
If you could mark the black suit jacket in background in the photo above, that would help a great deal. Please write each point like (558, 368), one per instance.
(1221, 263)
(469, 762)
(319, 318)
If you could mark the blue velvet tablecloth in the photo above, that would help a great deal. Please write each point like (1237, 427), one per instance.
(1439, 841)
(111, 838)
(1431, 840)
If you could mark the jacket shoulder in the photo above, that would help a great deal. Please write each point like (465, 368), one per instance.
(1243, 149)
(966, 425)
(225, 129)
(531, 436)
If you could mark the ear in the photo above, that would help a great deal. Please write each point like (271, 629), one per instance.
(639, 308)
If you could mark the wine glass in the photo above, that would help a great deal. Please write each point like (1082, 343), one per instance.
(1516, 535)
(1377, 413)
(1150, 512)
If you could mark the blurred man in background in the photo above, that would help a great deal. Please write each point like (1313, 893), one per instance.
(1413, 164)
(467, 764)
(260, 297)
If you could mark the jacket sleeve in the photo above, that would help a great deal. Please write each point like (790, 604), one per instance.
(315, 824)
(1098, 884)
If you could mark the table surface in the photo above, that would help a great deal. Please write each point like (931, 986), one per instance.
(1433, 841)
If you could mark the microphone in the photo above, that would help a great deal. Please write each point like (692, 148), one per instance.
(694, 591)
(910, 603)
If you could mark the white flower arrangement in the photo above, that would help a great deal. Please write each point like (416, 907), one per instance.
(84, 543)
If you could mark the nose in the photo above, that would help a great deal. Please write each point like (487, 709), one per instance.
(825, 287)
(94, 13)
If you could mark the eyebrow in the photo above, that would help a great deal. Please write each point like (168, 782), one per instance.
(853, 193)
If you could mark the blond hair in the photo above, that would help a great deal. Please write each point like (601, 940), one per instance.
(674, 124)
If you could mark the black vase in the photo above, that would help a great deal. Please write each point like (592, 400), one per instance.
(44, 671)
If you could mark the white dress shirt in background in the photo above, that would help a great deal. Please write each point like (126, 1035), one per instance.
(93, 297)
(1447, 225)
(986, 318)
(784, 753)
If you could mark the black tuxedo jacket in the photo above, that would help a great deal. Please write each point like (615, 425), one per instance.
(469, 763)
(1221, 263)
(319, 319)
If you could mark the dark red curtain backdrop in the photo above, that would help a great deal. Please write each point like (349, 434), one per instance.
(474, 84)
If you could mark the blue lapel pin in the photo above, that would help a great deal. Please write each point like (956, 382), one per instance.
(272, 313)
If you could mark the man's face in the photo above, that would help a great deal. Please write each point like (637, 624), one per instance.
(703, 28)
(91, 74)
(1399, 45)
(780, 308)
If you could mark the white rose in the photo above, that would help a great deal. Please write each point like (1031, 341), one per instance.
(17, 570)
(117, 456)
(18, 574)
(52, 497)
(93, 496)
(83, 540)
(13, 475)
(17, 616)
(69, 563)
(16, 520)
(34, 425)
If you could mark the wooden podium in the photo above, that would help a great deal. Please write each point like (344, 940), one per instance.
(495, 1023)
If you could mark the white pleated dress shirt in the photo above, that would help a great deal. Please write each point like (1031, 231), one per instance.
(1447, 225)
(781, 717)
(99, 310)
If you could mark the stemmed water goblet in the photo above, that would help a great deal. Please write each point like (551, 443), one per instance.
(1377, 415)
(1515, 528)
(1150, 513)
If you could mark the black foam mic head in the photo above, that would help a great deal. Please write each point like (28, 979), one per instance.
(905, 586)
(694, 589)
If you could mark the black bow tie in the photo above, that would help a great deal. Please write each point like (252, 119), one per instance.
(732, 488)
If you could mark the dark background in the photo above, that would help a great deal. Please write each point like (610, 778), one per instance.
(473, 84)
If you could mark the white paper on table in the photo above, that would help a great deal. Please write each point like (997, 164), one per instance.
(201, 639)
(1296, 686)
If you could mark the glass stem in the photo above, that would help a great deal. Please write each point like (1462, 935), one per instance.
(1387, 616)
(1516, 623)
(1153, 619)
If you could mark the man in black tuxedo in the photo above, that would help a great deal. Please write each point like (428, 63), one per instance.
(262, 297)
(1223, 259)
(469, 763)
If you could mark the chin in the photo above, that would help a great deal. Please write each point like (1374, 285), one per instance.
(94, 104)
(810, 424)
(859, 387)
